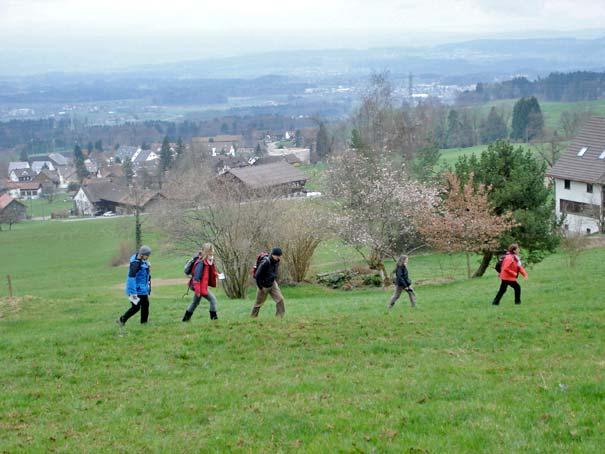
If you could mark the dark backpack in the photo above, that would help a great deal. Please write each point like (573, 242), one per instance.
(259, 258)
(498, 266)
(190, 266)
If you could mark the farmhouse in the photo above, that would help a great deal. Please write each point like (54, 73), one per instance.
(11, 210)
(579, 177)
(100, 196)
(279, 176)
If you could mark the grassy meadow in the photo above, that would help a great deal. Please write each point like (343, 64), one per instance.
(338, 374)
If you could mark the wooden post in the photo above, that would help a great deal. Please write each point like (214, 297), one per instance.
(10, 286)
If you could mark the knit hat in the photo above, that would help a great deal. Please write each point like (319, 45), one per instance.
(145, 250)
(276, 251)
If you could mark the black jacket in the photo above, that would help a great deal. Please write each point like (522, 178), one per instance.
(266, 273)
(401, 277)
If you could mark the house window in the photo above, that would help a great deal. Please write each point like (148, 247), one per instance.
(582, 151)
(589, 187)
(567, 184)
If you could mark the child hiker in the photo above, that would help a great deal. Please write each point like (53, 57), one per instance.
(204, 276)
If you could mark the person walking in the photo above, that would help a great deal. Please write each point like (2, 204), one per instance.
(510, 269)
(402, 282)
(138, 286)
(266, 283)
(204, 276)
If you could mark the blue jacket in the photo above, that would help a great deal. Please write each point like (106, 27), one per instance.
(138, 281)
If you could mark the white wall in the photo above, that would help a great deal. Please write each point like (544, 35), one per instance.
(83, 205)
(577, 193)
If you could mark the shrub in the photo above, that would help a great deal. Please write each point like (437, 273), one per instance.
(122, 255)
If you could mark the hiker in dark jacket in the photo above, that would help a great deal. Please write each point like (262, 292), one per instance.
(138, 286)
(265, 276)
(402, 282)
(204, 276)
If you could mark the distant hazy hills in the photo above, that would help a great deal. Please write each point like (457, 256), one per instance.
(486, 58)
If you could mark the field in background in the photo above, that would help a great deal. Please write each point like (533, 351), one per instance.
(339, 373)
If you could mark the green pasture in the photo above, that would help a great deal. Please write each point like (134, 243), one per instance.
(338, 374)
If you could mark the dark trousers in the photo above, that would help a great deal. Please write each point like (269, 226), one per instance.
(143, 306)
(503, 286)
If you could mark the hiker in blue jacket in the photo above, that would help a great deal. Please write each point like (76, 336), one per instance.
(138, 286)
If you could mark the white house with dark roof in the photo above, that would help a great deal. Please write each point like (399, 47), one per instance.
(579, 177)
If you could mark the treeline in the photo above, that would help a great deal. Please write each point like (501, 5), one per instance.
(167, 91)
(567, 87)
(43, 136)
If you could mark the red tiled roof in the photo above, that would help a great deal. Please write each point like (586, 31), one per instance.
(6, 200)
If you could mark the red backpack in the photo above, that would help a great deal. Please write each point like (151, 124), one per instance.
(259, 258)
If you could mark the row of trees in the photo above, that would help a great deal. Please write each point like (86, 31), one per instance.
(568, 87)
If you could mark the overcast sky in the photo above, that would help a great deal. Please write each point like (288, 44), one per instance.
(123, 30)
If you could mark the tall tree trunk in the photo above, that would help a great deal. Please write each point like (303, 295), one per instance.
(485, 261)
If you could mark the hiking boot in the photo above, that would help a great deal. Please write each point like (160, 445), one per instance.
(120, 322)
(187, 316)
(213, 315)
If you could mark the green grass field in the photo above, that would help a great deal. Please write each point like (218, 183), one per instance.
(41, 208)
(338, 374)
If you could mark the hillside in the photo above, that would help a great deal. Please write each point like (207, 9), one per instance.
(339, 373)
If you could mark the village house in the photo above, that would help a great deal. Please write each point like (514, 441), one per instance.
(11, 209)
(38, 166)
(21, 175)
(23, 189)
(216, 145)
(278, 176)
(579, 177)
(98, 197)
(16, 165)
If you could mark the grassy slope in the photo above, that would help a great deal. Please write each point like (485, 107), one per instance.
(339, 373)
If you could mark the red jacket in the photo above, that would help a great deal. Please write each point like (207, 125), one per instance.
(204, 276)
(511, 267)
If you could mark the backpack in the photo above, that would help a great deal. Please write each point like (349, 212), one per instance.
(190, 266)
(259, 258)
(498, 266)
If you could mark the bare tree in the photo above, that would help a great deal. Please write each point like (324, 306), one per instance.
(238, 222)
(302, 227)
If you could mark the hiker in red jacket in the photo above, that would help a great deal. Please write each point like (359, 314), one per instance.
(204, 276)
(511, 268)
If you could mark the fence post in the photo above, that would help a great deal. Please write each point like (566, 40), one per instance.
(10, 286)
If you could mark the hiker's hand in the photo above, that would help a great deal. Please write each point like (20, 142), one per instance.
(134, 299)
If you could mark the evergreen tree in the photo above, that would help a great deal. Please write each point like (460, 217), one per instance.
(180, 148)
(493, 127)
(89, 147)
(127, 168)
(165, 155)
(516, 183)
(298, 138)
(79, 162)
(528, 121)
(99, 145)
(23, 155)
(356, 141)
(323, 145)
(454, 129)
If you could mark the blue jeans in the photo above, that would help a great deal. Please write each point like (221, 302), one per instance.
(196, 301)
